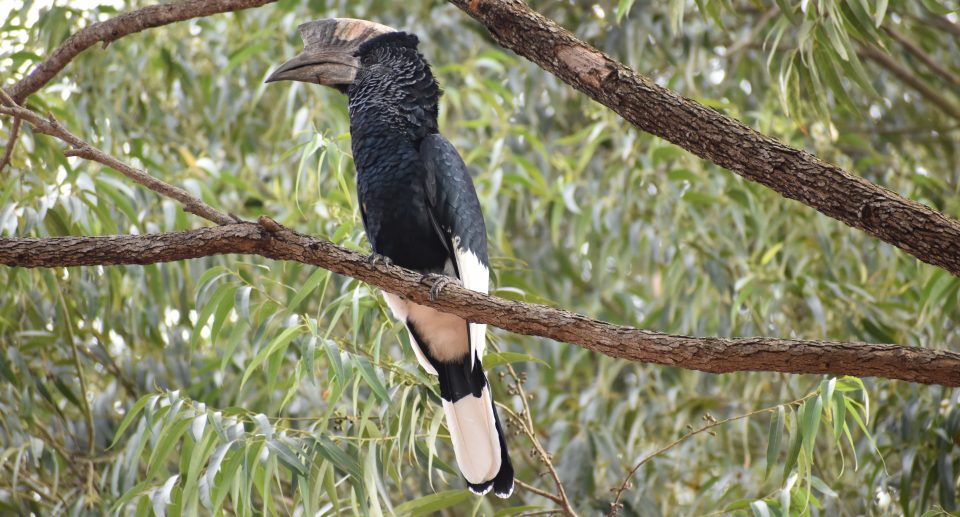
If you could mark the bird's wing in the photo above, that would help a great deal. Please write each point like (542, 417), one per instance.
(456, 214)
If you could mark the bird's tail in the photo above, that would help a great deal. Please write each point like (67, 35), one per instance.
(475, 429)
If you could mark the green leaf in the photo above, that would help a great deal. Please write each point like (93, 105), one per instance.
(880, 10)
(822, 487)
(774, 438)
(813, 408)
(128, 418)
(623, 9)
(248, 51)
(230, 471)
(343, 461)
(369, 375)
(287, 456)
(793, 450)
(760, 509)
(278, 343)
(788, 10)
(937, 7)
(314, 280)
(771, 253)
(429, 504)
(168, 439)
(224, 292)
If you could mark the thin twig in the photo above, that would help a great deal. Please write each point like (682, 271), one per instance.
(37, 487)
(50, 126)
(128, 385)
(940, 22)
(913, 131)
(11, 143)
(910, 79)
(526, 421)
(534, 490)
(615, 505)
(92, 495)
(924, 58)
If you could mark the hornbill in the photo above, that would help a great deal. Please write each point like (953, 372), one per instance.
(420, 211)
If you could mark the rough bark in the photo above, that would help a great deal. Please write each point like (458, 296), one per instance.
(917, 229)
(118, 27)
(708, 354)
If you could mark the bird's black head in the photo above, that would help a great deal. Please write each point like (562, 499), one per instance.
(394, 80)
(378, 67)
(329, 52)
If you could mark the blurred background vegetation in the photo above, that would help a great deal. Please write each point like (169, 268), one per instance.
(241, 385)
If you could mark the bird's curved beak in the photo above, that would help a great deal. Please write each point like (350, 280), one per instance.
(328, 53)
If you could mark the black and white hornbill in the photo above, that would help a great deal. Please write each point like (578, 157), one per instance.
(420, 211)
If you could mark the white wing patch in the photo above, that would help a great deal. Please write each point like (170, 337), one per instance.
(476, 277)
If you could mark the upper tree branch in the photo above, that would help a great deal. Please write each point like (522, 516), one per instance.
(118, 27)
(709, 354)
(917, 229)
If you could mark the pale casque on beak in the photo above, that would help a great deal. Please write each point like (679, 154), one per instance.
(328, 51)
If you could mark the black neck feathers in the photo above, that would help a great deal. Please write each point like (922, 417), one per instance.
(394, 89)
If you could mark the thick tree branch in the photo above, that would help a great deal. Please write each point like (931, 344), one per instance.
(917, 229)
(709, 354)
(49, 126)
(118, 27)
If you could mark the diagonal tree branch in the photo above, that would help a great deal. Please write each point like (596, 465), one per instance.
(709, 354)
(913, 227)
(660, 111)
(49, 126)
(118, 27)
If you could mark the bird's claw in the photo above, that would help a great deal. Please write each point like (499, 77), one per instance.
(376, 258)
(439, 282)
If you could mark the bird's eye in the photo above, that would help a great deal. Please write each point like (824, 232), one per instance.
(368, 59)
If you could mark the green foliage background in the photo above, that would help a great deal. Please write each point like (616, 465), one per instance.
(241, 385)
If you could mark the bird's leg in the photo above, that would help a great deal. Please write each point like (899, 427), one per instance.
(376, 258)
(438, 282)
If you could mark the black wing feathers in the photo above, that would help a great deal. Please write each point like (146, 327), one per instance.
(453, 201)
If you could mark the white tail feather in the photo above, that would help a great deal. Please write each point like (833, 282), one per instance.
(474, 435)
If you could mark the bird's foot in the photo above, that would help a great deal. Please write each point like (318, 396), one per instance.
(438, 282)
(376, 258)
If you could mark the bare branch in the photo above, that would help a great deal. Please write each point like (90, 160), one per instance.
(925, 58)
(913, 227)
(118, 27)
(940, 22)
(49, 126)
(616, 506)
(11, 142)
(910, 79)
(709, 354)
